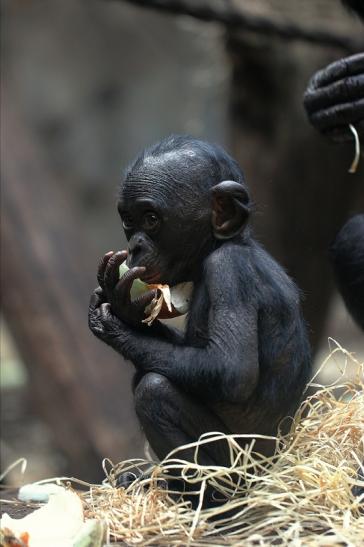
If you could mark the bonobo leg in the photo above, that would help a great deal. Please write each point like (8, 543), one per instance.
(170, 418)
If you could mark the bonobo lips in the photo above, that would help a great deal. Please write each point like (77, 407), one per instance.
(153, 279)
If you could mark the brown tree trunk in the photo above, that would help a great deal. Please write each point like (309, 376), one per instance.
(80, 386)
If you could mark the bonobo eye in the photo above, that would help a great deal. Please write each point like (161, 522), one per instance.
(150, 221)
(127, 222)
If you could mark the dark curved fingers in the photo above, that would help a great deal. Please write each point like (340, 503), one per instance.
(94, 313)
(145, 299)
(349, 66)
(101, 322)
(105, 311)
(97, 298)
(339, 92)
(111, 274)
(123, 286)
(339, 115)
(101, 267)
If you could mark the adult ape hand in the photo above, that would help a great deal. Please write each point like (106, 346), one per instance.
(334, 98)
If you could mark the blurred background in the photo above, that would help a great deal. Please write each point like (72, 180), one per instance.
(85, 86)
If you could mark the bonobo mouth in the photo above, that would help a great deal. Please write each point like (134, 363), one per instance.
(153, 279)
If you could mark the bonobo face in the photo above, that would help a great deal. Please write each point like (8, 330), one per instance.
(181, 198)
(166, 233)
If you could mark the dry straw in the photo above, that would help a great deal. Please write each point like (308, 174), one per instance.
(305, 498)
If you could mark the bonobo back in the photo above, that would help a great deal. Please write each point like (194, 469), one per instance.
(259, 302)
(284, 349)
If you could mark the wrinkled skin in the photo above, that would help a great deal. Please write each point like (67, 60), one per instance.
(117, 292)
(335, 98)
(244, 359)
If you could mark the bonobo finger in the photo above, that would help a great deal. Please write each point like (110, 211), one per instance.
(111, 275)
(94, 319)
(101, 267)
(349, 66)
(145, 299)
(338, 115)
(96, 299)
(105, 311)
(96, 325)
(123, 287)
(342, 91)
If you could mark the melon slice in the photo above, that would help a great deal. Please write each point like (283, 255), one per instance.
(169, 301)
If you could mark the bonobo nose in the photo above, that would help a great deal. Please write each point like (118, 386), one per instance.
(134, 248)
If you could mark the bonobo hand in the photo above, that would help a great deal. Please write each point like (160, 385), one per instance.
(102, 322)
(334, 98)
(117, 291)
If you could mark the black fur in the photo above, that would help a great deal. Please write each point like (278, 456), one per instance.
(347, 253)
(334, 97)
(244, 359)
(356, 6)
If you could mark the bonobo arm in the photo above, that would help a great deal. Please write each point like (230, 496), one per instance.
(159, 329)
(166, 332)
(335, 98)
(226, 369)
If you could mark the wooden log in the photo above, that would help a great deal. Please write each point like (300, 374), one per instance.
(328, 27)
(81, 387)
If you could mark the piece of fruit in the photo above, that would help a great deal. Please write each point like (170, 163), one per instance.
(169, 302)
(138, 287)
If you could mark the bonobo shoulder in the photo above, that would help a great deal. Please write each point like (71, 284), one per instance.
(252, 267)
(230, 269)
(226, 258)
(275, 289)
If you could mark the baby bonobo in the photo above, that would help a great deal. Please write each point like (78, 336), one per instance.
(244, 359)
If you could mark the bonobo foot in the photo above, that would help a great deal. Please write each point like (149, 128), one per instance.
(359, 490)
(127, 478)
(124, 480)
(177, 489)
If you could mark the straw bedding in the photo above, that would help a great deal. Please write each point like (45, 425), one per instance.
(311, 493)
(305, 497)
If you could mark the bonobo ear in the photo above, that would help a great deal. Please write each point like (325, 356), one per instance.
(230, 209)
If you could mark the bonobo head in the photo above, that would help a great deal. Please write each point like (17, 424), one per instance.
(181, 199)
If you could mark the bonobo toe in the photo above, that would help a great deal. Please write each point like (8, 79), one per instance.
(124, 480)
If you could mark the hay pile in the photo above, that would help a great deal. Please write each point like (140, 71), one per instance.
(305, 498)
